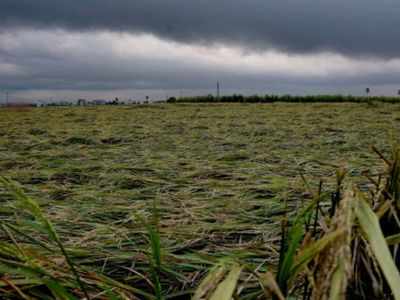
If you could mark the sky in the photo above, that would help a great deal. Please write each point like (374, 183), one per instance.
(102, 49)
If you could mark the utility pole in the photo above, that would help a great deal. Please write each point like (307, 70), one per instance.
(218, 90)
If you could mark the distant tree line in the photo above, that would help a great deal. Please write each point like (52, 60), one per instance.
(284, 98)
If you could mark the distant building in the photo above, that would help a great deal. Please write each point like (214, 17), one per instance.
(114, 102)
(63, 103)
(81, 102)
(38, 103)
(98, 102)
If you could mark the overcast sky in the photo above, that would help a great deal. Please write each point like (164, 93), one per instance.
(65, 49)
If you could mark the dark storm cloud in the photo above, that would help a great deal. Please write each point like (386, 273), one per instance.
(350, 27)
(35, 63)
(64, 60)
(76, 61)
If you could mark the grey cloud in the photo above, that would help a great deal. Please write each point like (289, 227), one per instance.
(354, 28)
(96, 61)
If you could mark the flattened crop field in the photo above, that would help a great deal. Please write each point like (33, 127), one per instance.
(218, 177)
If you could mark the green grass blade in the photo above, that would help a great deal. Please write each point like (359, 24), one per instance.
(58, 290)
(295, 237)
(393, 239)
(155, 247)
(311, 251)
(370, 225)
(38, 275)
(32, 207)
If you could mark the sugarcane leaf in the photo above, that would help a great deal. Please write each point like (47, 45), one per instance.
(210, 282)
(227, 287)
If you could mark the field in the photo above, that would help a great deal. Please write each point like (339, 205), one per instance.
(204, 184)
